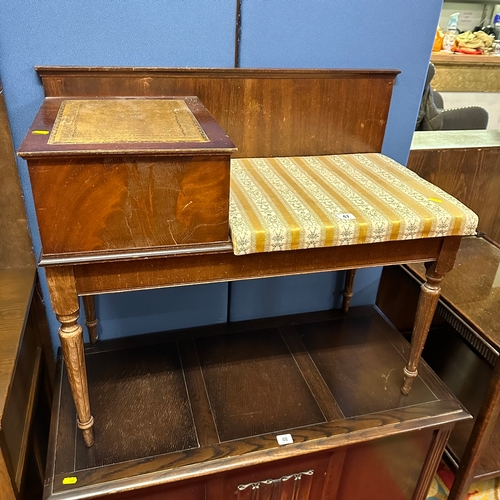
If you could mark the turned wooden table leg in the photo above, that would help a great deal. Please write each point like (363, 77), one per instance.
(64, 300)
(71, 336)
(427, 303)
(431, 463)
(90, 317)
(347, 293)
(478, 440)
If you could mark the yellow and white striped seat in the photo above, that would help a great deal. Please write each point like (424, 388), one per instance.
(319, 201)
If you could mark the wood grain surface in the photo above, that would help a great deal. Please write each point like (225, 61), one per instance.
(130, 203)
(378, 467)
(23, 393)
(37, 141)
(16, 288)
(151, 417)
(472, 175)
(26, 356)
(471, 287)
(22, 382)
(110, 276)
(264, 112)
(433, 460)
(459, 356)
(206, 429)
(332, 352)
(6, 481)
(254, 385)
(15, 245)
(480, 438)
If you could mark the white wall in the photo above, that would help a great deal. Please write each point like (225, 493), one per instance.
(470, 15)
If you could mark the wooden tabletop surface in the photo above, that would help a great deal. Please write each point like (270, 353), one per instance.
(473, 286)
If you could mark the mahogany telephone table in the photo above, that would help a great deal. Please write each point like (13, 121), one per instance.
(132, 188)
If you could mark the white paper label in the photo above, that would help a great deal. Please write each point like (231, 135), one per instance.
(346, 216)
(284, 439)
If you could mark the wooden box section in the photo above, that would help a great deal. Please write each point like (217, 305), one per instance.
(120, 175)
(198, 417)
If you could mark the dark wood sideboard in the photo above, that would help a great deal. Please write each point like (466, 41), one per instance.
(463, 349)
(466, 164)
(330, 382)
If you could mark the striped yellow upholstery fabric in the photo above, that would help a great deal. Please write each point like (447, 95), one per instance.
(316, 201)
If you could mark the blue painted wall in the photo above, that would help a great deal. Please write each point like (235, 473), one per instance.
(275, 33)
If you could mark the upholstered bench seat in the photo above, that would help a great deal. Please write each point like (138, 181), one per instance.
(318, 201)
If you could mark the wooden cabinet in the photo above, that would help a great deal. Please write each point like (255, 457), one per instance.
(466, 164)
(26, 357)
(171, 191)
(201, 416)
(24, 385)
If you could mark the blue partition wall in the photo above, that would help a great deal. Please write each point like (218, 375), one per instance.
(201, 33)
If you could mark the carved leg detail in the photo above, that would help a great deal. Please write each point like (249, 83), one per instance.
(71, 336)
(90, 317)
(427, 303)
(349, 284)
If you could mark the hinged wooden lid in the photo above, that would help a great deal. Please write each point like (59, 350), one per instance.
(159, 125)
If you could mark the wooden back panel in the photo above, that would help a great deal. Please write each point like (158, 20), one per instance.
(266, 112)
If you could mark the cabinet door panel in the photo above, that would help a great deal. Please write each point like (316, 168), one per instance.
(295, 479)
(190, 491)
(291, 487)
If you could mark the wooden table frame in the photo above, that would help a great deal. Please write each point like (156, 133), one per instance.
(265, 113)
(67, 282)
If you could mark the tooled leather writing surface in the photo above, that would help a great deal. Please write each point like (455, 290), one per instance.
(111, 121)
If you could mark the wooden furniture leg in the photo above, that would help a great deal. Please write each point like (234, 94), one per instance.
(427, 303)
(481, 432)
(64, 300)
(348, 286)
(432, 462)
(90, 317)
